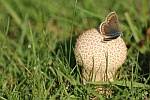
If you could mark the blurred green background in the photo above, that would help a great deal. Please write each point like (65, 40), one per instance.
(37, 48)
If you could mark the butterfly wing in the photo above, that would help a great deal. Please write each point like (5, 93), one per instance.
(110, 27)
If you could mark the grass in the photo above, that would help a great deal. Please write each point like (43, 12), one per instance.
(37, 49)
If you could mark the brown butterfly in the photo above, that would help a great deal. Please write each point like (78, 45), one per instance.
(110, 27)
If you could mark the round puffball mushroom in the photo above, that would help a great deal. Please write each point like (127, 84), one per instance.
(99, 59)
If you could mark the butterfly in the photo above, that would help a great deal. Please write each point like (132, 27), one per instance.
(110, 28)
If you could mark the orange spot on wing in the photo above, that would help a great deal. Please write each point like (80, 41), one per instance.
(109, 18)
(102, 29)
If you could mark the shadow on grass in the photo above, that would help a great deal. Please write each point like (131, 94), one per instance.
(144, 62)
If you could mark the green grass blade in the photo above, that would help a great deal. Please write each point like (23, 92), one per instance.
(12, 12)
(133, 28)
(121, 83)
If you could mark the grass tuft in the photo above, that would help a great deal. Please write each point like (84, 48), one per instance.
(37, 49)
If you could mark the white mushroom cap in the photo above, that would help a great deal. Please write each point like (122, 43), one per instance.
(91, 53)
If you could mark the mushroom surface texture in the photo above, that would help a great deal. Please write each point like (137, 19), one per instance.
(99, 59)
